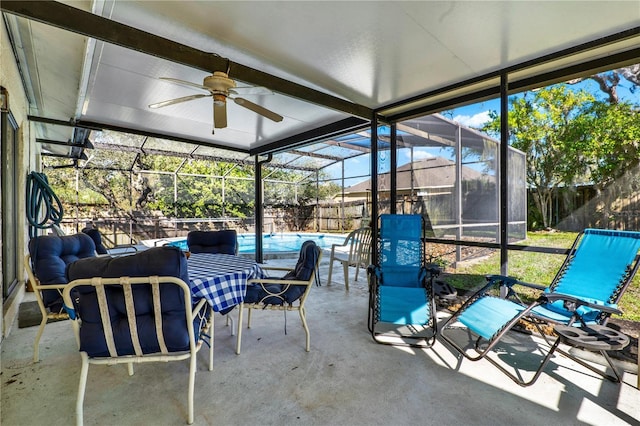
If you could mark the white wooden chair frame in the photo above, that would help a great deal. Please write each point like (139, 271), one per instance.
(154, 281)
(46, 314)
(359, 254)
(298, 305)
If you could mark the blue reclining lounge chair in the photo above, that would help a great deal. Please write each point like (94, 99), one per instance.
(401, 302)
(584, 293)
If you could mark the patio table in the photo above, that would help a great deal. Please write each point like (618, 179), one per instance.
(221, 278)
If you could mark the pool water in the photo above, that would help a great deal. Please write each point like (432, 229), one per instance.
(277, 243)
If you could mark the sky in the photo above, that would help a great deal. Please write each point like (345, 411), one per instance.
(477, 114)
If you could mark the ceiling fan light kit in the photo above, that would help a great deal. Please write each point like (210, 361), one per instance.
(220, 88)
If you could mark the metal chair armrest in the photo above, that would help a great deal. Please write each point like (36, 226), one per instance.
(572, 303)
(511, 281)
(275, 268)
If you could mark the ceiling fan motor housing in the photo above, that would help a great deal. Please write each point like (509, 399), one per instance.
(219, 84)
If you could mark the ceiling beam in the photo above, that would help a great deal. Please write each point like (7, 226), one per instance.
(320, 133)
(314, 155)
(98, 127)
(250, 162)
(347, 145)
(167, 153)
(63, 143)
(425, 135)
(88, 24)
(82, 156)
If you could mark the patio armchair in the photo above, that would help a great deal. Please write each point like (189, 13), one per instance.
(224, 241)
(136, 309)
(584, 293)
(401, 300)
(45, 264)
(288, 293)
(355, 251)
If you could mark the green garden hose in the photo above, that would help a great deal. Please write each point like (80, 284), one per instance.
(44, 209)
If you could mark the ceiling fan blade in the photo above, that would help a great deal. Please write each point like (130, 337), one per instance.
(250, 90)
(219, 115)
(185, 83)
(258, 109)
(177, 101)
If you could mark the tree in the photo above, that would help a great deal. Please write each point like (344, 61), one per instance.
(610, 136)
(570, 137)
(610, 80)
(539, 125)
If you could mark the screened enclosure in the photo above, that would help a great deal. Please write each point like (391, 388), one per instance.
(448, 173)
(137, 188)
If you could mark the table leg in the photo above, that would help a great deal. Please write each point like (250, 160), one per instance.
(239, 336)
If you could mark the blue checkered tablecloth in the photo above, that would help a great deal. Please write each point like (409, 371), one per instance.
(221, 278)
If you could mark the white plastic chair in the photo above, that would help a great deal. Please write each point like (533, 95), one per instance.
(355, 251)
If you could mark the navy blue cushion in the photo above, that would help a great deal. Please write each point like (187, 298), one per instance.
(50, 255)
(303, 271)
(161, 261)
(225, 241)
(97, 239)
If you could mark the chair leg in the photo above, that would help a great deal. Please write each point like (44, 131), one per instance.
(330, 271)
(345, 267)
(306, 328)
(484, 353)
(36, 345)
(541, 367)
(192, 381)
(230, 321)
(84, 370)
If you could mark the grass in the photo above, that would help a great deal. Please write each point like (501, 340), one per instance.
(537, 268)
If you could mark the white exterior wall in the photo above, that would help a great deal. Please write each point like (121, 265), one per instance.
(10, 80)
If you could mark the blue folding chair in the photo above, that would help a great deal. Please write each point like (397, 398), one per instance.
(598, 269)
(401, 303)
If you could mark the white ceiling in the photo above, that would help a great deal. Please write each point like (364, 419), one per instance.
(369, 53)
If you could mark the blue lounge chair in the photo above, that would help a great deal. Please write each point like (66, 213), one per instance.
(584, 293)
(401, 305)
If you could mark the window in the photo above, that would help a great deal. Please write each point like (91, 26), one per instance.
(9, 208)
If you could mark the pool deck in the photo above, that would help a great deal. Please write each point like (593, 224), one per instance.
(346, 378)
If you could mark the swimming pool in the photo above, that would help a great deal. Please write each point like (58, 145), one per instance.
(284, 242)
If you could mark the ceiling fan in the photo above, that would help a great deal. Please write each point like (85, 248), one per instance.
(221, 88)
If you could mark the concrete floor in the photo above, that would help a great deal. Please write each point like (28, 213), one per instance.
(346, 379)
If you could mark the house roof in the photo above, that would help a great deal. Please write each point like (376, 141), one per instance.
(430, 173)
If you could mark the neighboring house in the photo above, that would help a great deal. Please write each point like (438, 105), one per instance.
(430, 184)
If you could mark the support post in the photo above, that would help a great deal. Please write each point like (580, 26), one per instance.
(504, 172)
